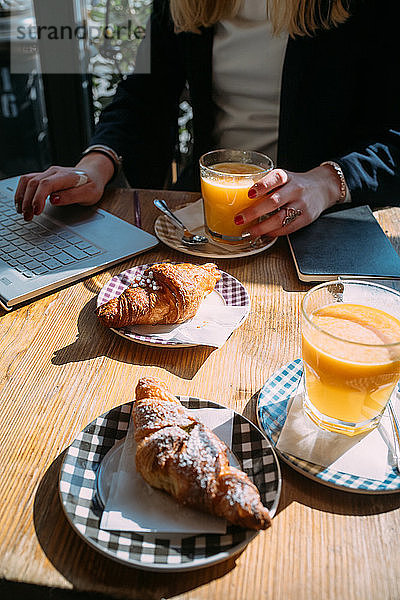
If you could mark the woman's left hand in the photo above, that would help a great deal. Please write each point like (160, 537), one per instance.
(300, 198)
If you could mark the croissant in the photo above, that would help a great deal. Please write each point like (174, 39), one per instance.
(164, 294)
(178, 454)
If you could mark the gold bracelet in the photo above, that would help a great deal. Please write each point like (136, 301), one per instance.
(342, 182)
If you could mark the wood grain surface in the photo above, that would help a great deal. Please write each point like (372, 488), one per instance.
(59, 369)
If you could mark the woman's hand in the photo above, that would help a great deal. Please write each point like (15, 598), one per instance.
(62, 185)
(296, 199)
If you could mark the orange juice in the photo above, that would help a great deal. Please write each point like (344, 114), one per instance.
(351, 373)
(224, 190)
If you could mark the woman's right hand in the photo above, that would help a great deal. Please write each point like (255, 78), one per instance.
(60, 184)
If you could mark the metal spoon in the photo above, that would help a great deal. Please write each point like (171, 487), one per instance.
(188, 238)
(396, 434)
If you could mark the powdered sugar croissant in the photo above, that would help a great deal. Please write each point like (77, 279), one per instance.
(178, 454)
(164, 294)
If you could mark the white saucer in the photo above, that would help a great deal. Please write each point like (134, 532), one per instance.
(171, 236)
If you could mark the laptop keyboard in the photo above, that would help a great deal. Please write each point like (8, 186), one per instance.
(33, 249)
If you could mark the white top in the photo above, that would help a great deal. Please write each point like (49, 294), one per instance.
(247, 70)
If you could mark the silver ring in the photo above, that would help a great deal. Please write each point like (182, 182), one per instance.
(291, 215)
(83, 178)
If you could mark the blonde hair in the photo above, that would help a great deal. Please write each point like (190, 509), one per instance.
(297, 17)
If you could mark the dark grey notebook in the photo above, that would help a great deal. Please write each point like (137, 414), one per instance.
(348, 242)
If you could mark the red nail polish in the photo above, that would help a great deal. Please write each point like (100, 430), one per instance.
(238, 220)
(54, 199)
(252, 193)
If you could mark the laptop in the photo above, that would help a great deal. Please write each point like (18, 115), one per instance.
(62, 245)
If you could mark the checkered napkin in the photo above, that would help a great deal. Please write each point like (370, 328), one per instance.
(368, 455)
(135, 506)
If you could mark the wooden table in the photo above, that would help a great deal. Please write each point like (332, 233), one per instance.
(59, 369)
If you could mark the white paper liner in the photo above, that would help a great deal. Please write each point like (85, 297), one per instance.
(368, 455)
(192, 216)
(133, 505)
(211, 326)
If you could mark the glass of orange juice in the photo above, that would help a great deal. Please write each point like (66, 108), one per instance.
(226, 177)
(351, 353)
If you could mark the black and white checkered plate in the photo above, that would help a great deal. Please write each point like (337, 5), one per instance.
(232, 292)
(154, 552)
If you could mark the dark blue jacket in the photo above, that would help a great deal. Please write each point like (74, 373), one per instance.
(340, 100)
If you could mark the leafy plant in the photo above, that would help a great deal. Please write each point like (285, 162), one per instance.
(116, 28)
(121, 25)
